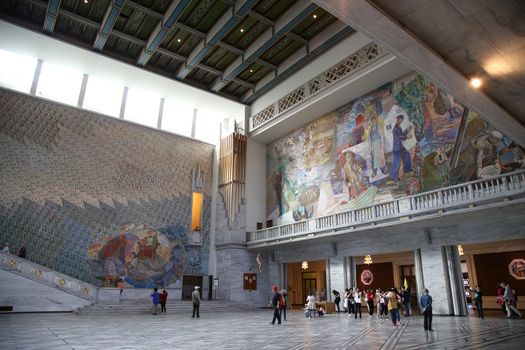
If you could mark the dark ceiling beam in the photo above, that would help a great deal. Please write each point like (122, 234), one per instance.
(51, 15)
(172, 14)
(284, 24)
(219, 30)
(318, 45)
(111, 16)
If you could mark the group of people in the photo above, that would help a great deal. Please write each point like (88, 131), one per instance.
(279, 303)
(22, 252)
(508, 299)
(311, 309)
(161, 298)
(387, 303)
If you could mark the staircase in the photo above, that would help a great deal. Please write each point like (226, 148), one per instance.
(172, 307)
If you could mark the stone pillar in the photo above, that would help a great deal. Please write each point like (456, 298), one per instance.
(336, 276)
(418, 266)
(436, 279)
(352, 272)
(457, 291)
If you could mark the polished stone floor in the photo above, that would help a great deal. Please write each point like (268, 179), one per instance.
(252, 330)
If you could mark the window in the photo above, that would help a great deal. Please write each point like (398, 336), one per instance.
(59, 84)
(103, 96)
(142, 107)
(16, 71)
(177, 117)
(196, 211)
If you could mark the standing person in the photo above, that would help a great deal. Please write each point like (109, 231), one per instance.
(275, 304)
(6, 248)
(399, 151)
(163, 298)
(370, 301)
(337, 299)
(478, 298)
(406, 299)
(350, 301)
(357, 302)
(196, 300)
(155, 301)
(392, 306)
(283, 304)
(500, 300)
(310, 305)
(510, 297)
(120, 285)
(22, 252)
(426, 306)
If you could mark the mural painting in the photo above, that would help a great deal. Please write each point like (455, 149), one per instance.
(142, 257)
(401, 139)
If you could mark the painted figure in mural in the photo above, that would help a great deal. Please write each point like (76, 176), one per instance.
(487, 157)
(399, 151)
(307, 200)
(441, 161)
(277, 182)
(375, 142)
(415, 182)
(353, 176)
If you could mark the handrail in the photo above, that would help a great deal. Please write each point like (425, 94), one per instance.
(461, 195)
(48, 276)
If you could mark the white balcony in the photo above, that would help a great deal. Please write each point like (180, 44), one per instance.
(496, 191)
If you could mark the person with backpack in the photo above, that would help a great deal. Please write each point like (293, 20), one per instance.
(275, 303)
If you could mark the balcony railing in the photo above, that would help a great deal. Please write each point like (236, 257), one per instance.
(496, 189)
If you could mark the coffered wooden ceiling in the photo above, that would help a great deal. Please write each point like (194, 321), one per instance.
(238, 49)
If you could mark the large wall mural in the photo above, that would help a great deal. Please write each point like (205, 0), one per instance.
(406, 137)
(99, 199)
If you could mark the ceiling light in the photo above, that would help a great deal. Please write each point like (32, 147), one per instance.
(251, 70)
(475, 82)
(178, 40)
(85, 1)
(368, 260)
(460, 250)
(242, 30)
(314, 16)
(304, 265)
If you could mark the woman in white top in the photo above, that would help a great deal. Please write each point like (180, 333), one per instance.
(310, 305)
(357, 302)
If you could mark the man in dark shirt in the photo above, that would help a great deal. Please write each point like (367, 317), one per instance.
(275, 303)
(426, 307)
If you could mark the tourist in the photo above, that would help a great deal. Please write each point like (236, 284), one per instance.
(500, 299)
(155, 301)
(283, 304)
(120, 285)
(275, 303)
(510, 302)
(357, 302)
(392, 305)
(370, 302)
(406, 299)
(426, 307)
(320, 311)
(310, 305)
(163, 298)
(196, 301)
(349, 301)
(478, 298)
(22, 252)
(382, 305)
(337, 299)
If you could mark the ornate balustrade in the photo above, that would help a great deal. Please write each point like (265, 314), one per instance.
(47, 276)
(343, 69)
(498, 189)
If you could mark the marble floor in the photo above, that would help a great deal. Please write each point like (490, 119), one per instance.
(252, 330)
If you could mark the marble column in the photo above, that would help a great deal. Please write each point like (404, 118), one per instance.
(336, 275)
(457, 291)
(352, 272)
(418, 266)
(436, 279)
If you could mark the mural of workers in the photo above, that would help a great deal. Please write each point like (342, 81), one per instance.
(399, 152)
(375, 143)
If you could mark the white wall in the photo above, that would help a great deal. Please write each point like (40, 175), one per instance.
(333, 56)
(48, 49)
(255, 184)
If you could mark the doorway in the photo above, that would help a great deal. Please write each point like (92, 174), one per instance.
(408, 280)
(309, 283)
(188, 285)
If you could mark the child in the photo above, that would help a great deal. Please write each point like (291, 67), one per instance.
(320, 311)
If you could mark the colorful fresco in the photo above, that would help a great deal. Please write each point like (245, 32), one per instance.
(140, 256)
(406, 137)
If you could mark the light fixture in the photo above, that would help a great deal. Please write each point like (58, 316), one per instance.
(460, 250)
(304, 265)
(251, 70)
(314, 16)
(368, 260)
(475, 82)
(178, 40)
(242, 30)
(85, 1)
